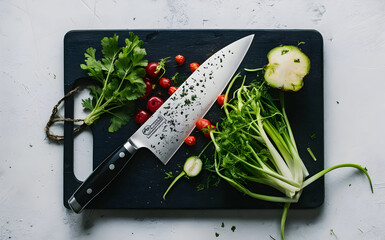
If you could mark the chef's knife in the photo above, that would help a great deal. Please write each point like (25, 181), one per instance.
(164, 132)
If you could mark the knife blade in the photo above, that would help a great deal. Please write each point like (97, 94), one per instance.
(164, 132)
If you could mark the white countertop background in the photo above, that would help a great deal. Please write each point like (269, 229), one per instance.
(31, 77)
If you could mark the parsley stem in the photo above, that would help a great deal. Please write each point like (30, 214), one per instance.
(110, 69)
(123, 78)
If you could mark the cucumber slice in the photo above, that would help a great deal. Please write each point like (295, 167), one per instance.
(193, 166)
(287, 67)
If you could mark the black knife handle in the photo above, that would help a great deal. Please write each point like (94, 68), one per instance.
(101, 177)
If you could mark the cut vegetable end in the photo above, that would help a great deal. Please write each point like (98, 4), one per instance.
(287, 67)
(311, 154)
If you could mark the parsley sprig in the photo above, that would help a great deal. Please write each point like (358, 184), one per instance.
(119, 80)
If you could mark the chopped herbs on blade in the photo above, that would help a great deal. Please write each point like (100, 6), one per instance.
(119, 80)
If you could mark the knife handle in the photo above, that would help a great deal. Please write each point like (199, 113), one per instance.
(101, 177)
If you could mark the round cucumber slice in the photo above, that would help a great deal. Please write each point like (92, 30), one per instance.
(193, 166)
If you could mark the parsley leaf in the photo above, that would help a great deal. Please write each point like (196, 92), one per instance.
(120, 117)
(87, 104)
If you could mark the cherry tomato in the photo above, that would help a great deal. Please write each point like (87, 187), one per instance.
(149, 87)
(164, 82)
(202, 123)
(180, 59)
(141, 116)
(155, 69)
(171, 90)
(221, 99)
(151, 70)
(190, 140)
(194, 66)
(206, 131)
(154, 103)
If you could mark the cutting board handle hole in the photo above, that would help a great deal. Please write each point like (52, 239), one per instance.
(83, 157)
(83, 142)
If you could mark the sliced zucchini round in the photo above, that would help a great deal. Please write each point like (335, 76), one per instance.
(287, 67)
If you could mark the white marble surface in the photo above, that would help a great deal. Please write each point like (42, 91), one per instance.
(31, 75)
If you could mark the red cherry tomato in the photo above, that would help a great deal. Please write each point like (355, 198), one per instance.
(221, 99)
(180, 59)
(190, 140)
(171, 90)
(156, 69)
(149, 87)
(151, 70)
(141, 116)
(164, 82)
(154, 103)
(194, 66)
(206, 131)
(202, 123)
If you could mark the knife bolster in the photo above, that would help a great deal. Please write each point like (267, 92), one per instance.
(130, 146)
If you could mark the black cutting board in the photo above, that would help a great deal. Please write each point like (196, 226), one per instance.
(142, 183)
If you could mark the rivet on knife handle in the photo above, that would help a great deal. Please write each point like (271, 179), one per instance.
(102, 176)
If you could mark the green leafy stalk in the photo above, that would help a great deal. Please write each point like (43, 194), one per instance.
(283, 219)
(291, 135)
(119, 75)
(246, 191)
(323, 172)
(254, 144)
(183, 173)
